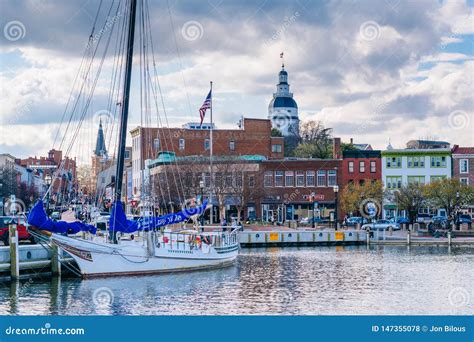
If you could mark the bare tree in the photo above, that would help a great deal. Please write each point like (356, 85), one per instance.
(316, 141)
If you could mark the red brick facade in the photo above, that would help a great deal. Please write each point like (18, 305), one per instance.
(463, 164)
(360, 166)
(253, 138)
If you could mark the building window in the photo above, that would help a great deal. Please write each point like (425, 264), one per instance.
(394, 162)
(394, 182)
(268, 179)
(416, 162)
(299, 178)
(239, 179)
(438, 161)
(289, 178)
(309, 178)
(437, 178)
(207, 179)
(332, 177)
(127, 154)
(156, 143)
(464, 181)
(361, 166)
(276, 148)
(373, 166)
(207, 144)
(321, 178)
(279, 178)
(464, 166)
(181, 144)
(416, 179)
(228, 180)
(232, 145)
(351, 167)
(251, 181)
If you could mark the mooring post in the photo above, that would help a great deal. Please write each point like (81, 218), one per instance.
(408, 238)
(449, 238)
(55, 260)
(367, 237)
(14, 258)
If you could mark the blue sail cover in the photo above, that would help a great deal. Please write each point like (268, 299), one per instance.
(38, 218)
(120, 223)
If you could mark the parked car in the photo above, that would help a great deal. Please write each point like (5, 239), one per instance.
(56, 215)
(423, 218)
(23, 234)
(403, 220)
(352, 221)
(309, 220)
(381, 225)
(438, 223)
(464, 218)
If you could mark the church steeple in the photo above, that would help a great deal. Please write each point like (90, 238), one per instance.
(100, 149)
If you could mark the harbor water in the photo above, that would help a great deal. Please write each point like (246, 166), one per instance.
(352, 280)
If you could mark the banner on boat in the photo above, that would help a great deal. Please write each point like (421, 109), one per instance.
(120, 223)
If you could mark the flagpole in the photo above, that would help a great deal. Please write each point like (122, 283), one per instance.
(210, 160)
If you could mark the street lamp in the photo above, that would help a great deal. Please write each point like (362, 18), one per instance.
(336, 191)
(201, 186)
(458, 195)
(48, 181)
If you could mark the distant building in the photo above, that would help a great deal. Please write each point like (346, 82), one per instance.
(463, 164)
(360, 166)
(252, 138)
(274, 190)
(403, 166)
(197, 125)
(427, 144)
(283, 110)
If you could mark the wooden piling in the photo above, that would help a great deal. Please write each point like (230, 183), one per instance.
(14, 257)
(449, 239)
(408, 238)
(367, 237)
(55, 261)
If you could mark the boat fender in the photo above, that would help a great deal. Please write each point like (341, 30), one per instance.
(132, 237)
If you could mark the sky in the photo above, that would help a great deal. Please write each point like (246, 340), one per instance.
(376, 71)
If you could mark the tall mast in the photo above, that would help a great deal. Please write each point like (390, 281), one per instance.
(125, 101)
(210, 160)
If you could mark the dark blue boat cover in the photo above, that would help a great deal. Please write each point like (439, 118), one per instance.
(37, 218)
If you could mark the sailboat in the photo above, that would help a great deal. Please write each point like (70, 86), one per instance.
(161, 249)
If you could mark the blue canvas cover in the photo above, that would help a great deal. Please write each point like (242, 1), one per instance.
(38, 218)
(120, 223)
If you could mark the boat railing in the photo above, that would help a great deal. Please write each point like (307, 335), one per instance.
(187, 241)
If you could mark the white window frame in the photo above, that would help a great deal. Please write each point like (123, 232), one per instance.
(232, 145)
(291, 175)
(181, 144)
(323, 174)
(279, 175)
(464, 180)
(350, 166)
(373, 166)
(310, 175)
(461, 161)
(361, 166)
(332, 177)
(299, 176)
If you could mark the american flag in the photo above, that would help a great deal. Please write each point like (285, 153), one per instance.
(206, 105)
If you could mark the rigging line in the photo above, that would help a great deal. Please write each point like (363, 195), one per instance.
(146, 39)
(82, 87)
(164, 109)
(179, 57)
(77, 74)
(87, 105)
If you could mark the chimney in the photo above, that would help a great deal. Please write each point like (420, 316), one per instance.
(336, 148)
(352, 141)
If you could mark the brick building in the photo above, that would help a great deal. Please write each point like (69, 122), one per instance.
(62, 172)
(359, 166)
(463, 164)
(253, 137)
(269, 189)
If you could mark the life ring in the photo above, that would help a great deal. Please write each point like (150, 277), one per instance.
(198, 241)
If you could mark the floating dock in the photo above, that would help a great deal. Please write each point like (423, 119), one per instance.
(285, 238)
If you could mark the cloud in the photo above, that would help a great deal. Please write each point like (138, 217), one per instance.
(382, 84)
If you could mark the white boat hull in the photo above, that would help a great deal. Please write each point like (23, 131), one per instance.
(97, 259)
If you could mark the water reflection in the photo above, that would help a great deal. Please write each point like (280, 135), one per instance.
(325, 280)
